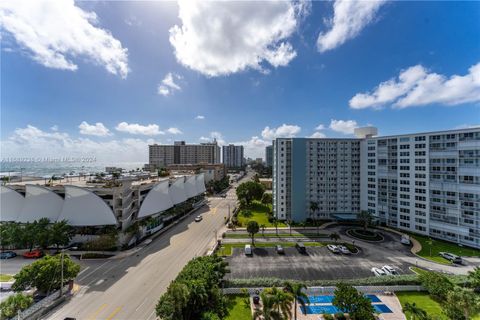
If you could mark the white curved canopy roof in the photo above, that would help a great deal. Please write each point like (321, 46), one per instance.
(200, 182)
(11, 204)
(177, 191)
(191, 186)
(40, 202)
(82, 207)
(157, 200)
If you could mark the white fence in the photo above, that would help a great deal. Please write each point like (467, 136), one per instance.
(330, 290)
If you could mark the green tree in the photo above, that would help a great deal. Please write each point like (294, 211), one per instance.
(297, 290)
(28, 235)
(349, 300)
(209, 316)
(474, 278)
(263, 226)
(277, 304)
(267, 198)
(174, 303)
(275, 224)
(42, 233)
(45, 274)
(436, 284)
(313, 209)
(14, 303)
(61, 233)
(10, 235)
(415, 312)
(365, 218)
(250, 191)
(334, 236)
(252, 228)
(461, 304)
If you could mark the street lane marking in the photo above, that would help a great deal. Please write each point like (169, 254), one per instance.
(94, 315)
(141, 304)
(83, 271)
(117, 310)
(94, 270)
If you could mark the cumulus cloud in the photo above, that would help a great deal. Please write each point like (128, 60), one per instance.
(174, 131)
(199, 117)
(34, 142)
(343, 126)
(349, 18)
(254, 147)
(214, 135)
(135, 128)
(318, 135)
(168, 84)
(320, 127)
(55, 32)
(97, 129)
(283, 131)
(416, 86)
(220, 38)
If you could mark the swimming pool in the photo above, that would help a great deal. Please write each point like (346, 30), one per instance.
(329, 299)
(330, 309)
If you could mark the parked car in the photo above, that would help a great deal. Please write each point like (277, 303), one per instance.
(198, 218)
(333, 248)
(378, 272)
(343, 249)
(279, 249)
(451, 257)
(389, 270)
(248, 250)
(301, 248)
(405, 239)
(7, 255)
(34, 254)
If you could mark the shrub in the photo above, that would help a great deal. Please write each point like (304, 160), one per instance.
(328, 317)
(106, 242)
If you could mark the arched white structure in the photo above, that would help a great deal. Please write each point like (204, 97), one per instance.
(40, 202)
(11, 204)
(157, 200)
(191, 186)
(200, 182)
(82, 207)
(177, 191)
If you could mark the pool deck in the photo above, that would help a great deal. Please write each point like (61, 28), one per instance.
(391, 301)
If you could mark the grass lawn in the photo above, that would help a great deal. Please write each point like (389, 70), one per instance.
(438, 246)
(423, 301)
(237, 310)
(226, 249)
(273, 235)
(258, 212)
(5, 277)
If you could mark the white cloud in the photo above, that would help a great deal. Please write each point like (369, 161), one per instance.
(343, 126)
(55, 32)
(54, 128)
(318, 135)
(32, 142)
(255, 147)
(214, 135)
(320, 127)
(97, 129)
(168, 85)
(135, 128)
(220, 38)
(284, 131)
(349, 18)
(199, 117)
(415, 86)
(174, 131)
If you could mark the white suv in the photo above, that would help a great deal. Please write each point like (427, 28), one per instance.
(389, 270)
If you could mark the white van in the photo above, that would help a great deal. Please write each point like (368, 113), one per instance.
(248, 250)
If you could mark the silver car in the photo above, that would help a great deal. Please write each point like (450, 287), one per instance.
(343, 249)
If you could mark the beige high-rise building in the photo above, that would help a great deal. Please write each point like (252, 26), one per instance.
(182, 153)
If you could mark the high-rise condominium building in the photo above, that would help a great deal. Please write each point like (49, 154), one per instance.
(232, 156)
(428, 183)
(269, 156)
(182, 153)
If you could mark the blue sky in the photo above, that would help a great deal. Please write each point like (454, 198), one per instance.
(109, 85)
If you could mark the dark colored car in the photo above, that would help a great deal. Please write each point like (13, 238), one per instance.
(301, 248)
(7, 255)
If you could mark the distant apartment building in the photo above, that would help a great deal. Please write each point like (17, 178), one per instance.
(269, 156)
(215, 172)
(182, 153)
(428, 183)
(232, 156)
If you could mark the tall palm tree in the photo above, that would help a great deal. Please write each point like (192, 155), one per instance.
(269, 311)
(299, 295)
(313, 209)
(416, 313)
(263, 226)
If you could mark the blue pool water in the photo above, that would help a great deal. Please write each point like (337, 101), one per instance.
(329, 299)
(381, 308)
(329, 309)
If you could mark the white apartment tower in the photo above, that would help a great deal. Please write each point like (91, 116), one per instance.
(232, 156)
(427, 183)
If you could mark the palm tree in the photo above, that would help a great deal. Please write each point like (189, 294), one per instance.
(275, 223)
(268, 311)
(334, 236)
(430, 244)
(297, 290)
(313, 209)
(415, 312)
(365, 217)
(263, 226)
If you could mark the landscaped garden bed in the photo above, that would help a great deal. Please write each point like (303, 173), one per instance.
(367, 235)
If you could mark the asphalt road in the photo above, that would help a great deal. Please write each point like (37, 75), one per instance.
(129, 288)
